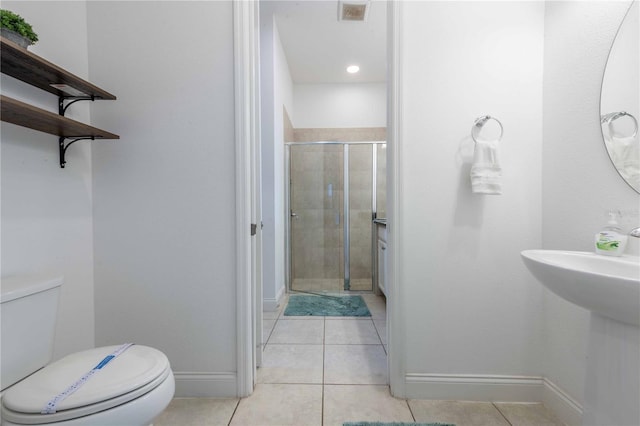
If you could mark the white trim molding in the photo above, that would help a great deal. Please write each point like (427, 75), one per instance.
(205, 385)
(394, 279)
(495, 388)
(271, 304)
(474, 387)
(567, 409)
(244, 41)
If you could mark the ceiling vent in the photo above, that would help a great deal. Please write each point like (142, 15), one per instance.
(353, 10)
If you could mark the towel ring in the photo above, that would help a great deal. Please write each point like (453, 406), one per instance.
(613, 116)
(479, 123)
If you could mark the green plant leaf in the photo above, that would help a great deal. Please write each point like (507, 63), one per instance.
(16, 23)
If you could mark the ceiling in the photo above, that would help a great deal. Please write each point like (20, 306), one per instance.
(319, 48)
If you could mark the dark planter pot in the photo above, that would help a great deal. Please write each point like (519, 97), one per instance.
(13, 36)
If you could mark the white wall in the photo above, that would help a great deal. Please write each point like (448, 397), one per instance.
(471, 307)
(282, 78)
(46, 210)
(277, 92)
(340, 105)
(578, 180)
(164, 202)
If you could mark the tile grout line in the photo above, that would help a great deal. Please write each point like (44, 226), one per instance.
(379, 337)
(234, 412)
(410, 410)
(273, 329)
(501, 413)
(270, 333)
(361, 384)
(324, 331)
(337, 344)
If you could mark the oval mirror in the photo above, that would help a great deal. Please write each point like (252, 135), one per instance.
(619, 101)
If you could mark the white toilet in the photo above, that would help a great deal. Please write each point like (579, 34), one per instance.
(114, 385)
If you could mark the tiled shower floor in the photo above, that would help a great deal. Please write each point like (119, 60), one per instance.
(328, 370)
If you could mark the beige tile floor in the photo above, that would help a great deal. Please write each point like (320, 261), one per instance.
(325, 371)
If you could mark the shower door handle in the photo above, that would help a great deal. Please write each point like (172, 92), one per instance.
(294, 215)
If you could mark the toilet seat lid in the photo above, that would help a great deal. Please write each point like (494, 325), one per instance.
(133, 369)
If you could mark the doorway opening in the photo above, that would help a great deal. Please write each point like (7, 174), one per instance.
(331, 126)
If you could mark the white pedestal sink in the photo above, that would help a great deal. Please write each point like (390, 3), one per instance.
(610, 288)
(606, 285)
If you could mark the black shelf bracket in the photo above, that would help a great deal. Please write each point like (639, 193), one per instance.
(63, 147)
(62, 108)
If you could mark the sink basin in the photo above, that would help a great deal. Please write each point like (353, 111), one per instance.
(608, 286)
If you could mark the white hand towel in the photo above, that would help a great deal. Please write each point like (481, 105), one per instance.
(625, 154)
(486, 173)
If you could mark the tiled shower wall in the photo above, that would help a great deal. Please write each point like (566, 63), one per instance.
(317, 237)
(355, 134)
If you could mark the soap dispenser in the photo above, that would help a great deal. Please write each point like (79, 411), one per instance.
(611, 241)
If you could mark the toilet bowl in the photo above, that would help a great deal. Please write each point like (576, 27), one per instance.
(126, 385)
(132, 389)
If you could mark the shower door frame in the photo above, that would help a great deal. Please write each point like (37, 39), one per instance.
(345, 208)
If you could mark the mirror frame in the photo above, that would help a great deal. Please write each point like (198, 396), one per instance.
(634, 3)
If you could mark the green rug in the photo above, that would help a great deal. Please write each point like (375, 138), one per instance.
(326, 306)
(394, 424)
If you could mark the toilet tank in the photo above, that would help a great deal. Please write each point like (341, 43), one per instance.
(28, 309)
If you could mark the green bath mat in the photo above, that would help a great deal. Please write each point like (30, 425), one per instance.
(394, 424)
(326, 306)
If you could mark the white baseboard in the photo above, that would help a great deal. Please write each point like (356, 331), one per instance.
(206, 385)
(495, 389)
(474, 387)
(271, 304)
(567, 409)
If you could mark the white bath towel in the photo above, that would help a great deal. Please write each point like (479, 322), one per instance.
(486, 173)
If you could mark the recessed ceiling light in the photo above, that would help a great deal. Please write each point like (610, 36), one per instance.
(352, 69)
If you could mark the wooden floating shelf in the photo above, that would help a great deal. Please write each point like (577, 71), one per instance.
(26, 115)
(36, 71)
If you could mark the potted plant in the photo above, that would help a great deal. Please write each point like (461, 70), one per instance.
(14, 28)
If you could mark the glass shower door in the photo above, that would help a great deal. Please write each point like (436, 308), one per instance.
(316, 217)
(360, 172)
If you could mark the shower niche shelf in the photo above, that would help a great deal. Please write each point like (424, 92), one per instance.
(69, 88)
